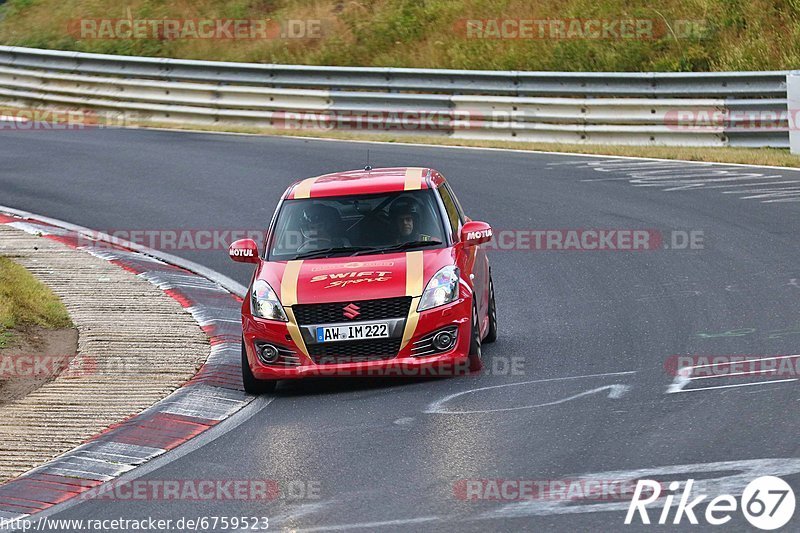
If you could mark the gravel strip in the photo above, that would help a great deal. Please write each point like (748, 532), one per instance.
(136, 345)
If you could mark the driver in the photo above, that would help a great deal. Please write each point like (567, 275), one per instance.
(405, 217)
(318, 226)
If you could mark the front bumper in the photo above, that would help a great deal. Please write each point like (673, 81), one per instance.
(450, 363)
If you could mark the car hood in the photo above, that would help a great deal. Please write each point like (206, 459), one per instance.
(343, 279)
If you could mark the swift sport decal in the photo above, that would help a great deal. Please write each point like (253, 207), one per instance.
(344, 279)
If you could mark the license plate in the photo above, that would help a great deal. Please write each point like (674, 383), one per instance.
(351, 333)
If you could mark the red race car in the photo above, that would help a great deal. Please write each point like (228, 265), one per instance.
(373, 272)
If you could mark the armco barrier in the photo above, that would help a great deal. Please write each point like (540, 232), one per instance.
(692, 109)
(793, 87)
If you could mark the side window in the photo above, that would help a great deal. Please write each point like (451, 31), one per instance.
(453, 212)
(455, 201)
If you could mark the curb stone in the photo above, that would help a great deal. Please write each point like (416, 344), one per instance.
(212, 395)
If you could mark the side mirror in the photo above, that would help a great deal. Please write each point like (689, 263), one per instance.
(244, 251)
(474, 233)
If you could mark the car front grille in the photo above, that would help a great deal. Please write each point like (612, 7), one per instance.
(354, 351)
(329, 313)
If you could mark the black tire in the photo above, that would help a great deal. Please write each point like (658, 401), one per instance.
(475, 362)
(491, 335)
(251, 384)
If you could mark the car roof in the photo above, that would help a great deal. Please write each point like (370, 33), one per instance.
(366, 181)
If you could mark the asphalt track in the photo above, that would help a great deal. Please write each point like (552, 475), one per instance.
(589, 332)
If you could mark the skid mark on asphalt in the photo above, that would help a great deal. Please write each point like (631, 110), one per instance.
(681, 176)
(615, 391)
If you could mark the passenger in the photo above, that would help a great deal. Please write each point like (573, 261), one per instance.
(320, 228)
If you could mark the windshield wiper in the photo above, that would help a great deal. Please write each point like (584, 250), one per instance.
(399, 247)
(334, 250)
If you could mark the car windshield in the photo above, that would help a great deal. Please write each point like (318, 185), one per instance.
(357, 225)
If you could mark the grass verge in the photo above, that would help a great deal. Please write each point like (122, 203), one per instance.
(25, 302)
(679, 35)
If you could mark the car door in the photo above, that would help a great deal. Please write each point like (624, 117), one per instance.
(476, 262)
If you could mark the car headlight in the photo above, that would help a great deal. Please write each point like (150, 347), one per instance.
(442, 289)
(264, 302)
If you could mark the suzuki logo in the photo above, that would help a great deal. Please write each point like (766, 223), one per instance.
(351, 311)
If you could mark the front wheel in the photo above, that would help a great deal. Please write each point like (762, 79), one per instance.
(251, 384)
(475, 355)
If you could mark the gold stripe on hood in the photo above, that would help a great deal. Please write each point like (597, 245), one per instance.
(413, 179)
(289, 298)
(289, 283)
(414, 280)
(303, 189)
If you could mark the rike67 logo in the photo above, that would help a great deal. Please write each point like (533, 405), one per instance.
(767, 503)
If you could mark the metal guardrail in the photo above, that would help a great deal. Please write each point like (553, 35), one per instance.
(619, 108)
(793, 104)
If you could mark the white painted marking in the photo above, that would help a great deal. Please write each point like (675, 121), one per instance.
(741, 185)
(728, 363)
(773, 382)
(32, 229)
(615, 391)
(772, 193)
(726, 483)
(781, 200)
(671, 177)
(682, 379)
(686, 375)
(685, 185)
(754, 373)
(113, 255)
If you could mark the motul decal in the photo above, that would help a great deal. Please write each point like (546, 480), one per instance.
(479, 234)
(242, 252)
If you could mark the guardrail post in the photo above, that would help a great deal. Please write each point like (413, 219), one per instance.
(793, 103)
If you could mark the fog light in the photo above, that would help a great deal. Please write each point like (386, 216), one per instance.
(443, 340)
(268, 353)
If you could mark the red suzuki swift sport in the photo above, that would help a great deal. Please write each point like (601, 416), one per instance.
(373, 272)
